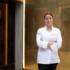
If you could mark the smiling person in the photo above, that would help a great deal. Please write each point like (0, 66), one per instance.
(49, 41)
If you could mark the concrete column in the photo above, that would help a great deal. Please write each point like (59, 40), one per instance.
(19, 37)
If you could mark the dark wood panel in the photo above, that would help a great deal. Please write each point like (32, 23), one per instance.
(2, 34)
(12, 1)
(11, 34)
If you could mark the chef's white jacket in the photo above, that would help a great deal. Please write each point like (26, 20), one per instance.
(46, 55)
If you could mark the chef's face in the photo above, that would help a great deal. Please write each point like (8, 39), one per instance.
(48, 19)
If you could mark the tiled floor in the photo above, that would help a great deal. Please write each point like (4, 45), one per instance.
(64, 65)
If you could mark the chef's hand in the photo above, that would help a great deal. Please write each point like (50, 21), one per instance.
(49, 44)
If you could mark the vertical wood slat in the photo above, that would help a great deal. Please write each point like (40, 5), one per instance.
(6, 34)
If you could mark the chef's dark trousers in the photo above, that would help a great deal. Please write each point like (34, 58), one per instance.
(47, 66)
